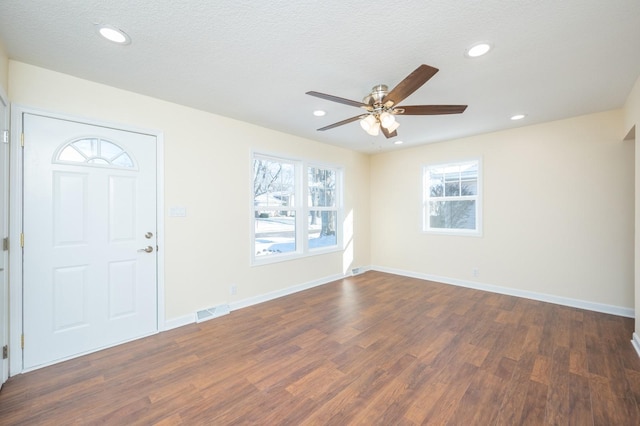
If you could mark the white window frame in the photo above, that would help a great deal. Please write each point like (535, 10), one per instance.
(301, 209)
(427, 198)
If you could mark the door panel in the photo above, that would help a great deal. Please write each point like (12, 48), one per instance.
(70, 197)
(122, 207)
(89, 200)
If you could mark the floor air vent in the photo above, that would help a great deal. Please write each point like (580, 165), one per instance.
(211, 313)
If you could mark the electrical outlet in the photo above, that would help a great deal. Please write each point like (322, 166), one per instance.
(475, 272)
(233, 289)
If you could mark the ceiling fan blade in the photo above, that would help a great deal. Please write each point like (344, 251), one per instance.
(387, 134)
(340, 123)
(337, 99)
(430, 109)
(410, 84)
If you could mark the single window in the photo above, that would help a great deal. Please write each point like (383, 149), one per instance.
(94, 151)
(284, 192)
(451, 198)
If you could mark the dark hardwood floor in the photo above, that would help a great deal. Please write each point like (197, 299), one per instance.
(371, 349)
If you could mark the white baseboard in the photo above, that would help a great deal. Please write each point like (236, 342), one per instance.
(636, 343)
(191, 318)
(575, 303)
(179, 322)
(284, 292)
(558, 300)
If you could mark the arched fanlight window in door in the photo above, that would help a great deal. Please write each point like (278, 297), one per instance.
(94, 151)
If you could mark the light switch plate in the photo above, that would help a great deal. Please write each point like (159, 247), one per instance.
(177, 211)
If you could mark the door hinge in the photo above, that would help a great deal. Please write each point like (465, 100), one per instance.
(21, 240)
(5, 136)
(5, 352)
(5, 244)
(22, 341)
(21, 139)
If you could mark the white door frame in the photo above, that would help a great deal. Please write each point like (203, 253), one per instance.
(4, 232)
(15, 220)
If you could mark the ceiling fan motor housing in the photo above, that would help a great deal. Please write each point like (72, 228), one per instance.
(377, 94)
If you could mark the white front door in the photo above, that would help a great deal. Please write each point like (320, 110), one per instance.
(89, 227)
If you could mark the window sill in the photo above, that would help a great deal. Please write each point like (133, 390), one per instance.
(453, 232)
(277, 258)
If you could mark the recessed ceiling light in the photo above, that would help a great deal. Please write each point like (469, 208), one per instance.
(319, 113)
(398, 142)
(518, 117)
(477, 49)
(114, 34)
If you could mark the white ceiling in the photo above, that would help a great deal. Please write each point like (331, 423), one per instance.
(254, 60)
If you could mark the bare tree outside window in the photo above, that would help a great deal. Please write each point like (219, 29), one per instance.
(322, 188)
(265, 176)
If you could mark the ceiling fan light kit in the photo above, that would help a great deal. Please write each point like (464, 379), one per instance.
(393, 126)
(370, 125)
(381, 105)
(387, 119)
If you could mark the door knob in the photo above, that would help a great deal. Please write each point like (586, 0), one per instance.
(147, 249)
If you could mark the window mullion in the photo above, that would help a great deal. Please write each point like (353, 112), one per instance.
(302, 194)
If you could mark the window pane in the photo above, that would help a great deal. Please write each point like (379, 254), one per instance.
(452, 214)
(89, 147)
(322, 228)
(109, 150)
(273, 183)
(469, 177)
(322, 187)
(436, 180)
(71, 154)
(275, 232)
(452, 188)
(469, 170)
(469, 187)
(123, 160)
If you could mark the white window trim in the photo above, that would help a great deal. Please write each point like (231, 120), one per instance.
(424, 222)
(301, 210)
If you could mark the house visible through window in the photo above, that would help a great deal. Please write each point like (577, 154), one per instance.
(451, 201)
(296, 208)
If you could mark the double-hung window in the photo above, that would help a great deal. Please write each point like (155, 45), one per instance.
(451, 198)
(296, 208)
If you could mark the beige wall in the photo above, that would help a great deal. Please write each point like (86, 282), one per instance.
(208, 171)
(558, 200)
(631, 122)
(557, 209)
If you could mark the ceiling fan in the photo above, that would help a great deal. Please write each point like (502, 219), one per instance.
(381, 105)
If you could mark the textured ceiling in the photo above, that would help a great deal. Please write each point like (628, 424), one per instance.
(254, 60)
